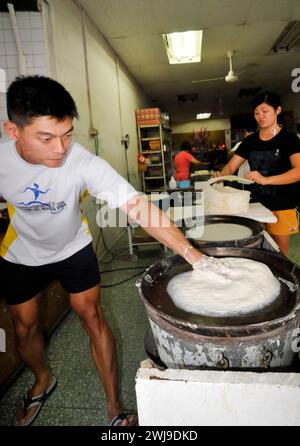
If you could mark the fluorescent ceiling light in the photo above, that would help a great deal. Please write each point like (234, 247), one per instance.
(203, 115)
(289, 39)
(183, 47)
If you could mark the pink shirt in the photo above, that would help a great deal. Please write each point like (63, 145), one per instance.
(182, 165)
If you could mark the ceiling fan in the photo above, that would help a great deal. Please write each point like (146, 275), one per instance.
(230, 77)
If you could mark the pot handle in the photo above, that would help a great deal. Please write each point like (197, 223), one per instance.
(270, 240)
(230, 178)
(222, 362)
(138, 283)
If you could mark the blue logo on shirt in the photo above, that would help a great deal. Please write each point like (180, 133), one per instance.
(36, 190)
(35, 204)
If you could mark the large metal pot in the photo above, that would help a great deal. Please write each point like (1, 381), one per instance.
(255, 240)
(262, 339)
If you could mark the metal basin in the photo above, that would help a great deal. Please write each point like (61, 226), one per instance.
(255, 240)
(259, 339)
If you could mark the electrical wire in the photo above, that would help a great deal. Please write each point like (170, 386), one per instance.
(122, 281)
(113, 254)
(101, 237)
(122, 269)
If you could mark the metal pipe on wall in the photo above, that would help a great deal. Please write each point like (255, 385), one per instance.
(21, 57)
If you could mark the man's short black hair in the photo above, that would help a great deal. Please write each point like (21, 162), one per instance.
(30, 97)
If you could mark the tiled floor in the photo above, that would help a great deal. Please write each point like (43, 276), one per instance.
(294, 251)
(79, 398)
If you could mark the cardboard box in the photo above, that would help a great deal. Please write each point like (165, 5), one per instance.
(148, 122)
(148, 116)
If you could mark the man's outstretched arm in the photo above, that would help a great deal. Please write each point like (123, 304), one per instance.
(159, 226)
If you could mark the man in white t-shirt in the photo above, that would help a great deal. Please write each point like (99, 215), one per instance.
(43, 175)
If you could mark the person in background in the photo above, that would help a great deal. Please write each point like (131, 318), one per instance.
(182, 162)
(217, 156)
(222, 157)
(273, 154)
(43, 175)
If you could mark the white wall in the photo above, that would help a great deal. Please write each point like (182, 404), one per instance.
(33, 46)
(114, 93)
(53, 45)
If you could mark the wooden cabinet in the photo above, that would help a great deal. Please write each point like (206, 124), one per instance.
(54, 304)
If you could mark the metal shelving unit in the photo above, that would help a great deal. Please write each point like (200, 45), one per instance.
(155, 179)
(159, 171)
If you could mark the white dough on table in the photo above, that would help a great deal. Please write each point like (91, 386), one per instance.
(217, 232)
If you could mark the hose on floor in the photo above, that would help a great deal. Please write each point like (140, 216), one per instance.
(123, 269)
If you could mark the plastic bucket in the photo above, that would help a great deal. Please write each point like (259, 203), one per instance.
(184, 184)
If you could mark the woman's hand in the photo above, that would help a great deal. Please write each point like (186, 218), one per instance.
(216, 174)
(255, 176)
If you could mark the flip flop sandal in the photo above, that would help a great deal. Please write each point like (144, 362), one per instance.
(36, 401)
(117, 420)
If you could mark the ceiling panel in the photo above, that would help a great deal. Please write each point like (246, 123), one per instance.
(134, 27)
(144, 50)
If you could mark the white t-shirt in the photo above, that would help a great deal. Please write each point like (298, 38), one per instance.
(46, 224)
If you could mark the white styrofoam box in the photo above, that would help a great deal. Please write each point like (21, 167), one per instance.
(217, 398)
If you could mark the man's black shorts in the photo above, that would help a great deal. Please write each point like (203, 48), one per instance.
(77, 273)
